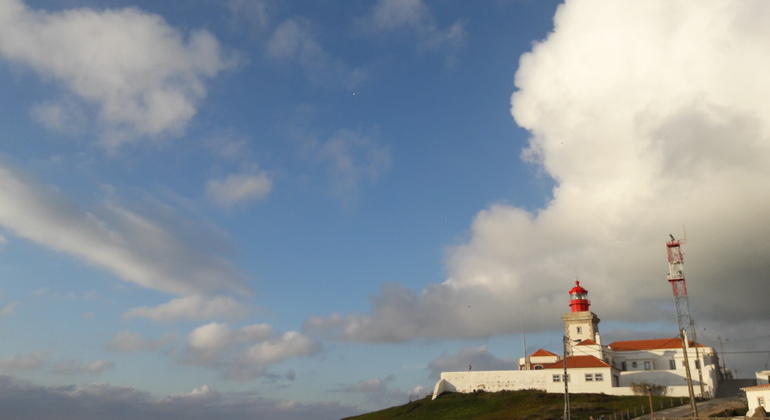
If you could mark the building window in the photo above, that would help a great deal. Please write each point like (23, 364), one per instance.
(557, 378)
(589, 377)
(538, 367)
(647, 365)
(623, 365)
(697, 364)
(579, 330)
(761, 401)
(633, 364)
(599, 377)
(672, 364)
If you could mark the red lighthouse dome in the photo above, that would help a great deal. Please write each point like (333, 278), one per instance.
(578, 298)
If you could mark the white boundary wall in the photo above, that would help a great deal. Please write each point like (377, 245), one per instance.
(515, 380)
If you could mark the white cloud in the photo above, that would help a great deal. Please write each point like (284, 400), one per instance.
(237, 188)
(648, 115)
(245, 352)
(415, 17)
(194, 307)
(19, 362)
(9, 309)
(76, 367)
(152, 251)
(281, 347)
(143, 76)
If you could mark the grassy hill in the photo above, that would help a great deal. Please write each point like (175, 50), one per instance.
(519, 405)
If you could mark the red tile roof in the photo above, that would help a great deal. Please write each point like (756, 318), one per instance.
(756, 387)
(578, 362)
(541, 353)
(658, 343)
(588, 342)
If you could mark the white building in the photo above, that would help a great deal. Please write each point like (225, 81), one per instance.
(596, 368)
(757, 396)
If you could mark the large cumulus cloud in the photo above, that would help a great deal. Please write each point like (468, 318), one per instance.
(649, 116)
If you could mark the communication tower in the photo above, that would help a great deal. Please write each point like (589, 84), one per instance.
(683, 319)
(676, 278)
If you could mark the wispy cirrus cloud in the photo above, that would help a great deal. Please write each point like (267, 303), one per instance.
(9, 309)
(296, 40)
(194, 307)
(135, 247)
(128, 341)
(238, 188)
(22, 362)
(349, 158)
(77, 367)
(415, 18)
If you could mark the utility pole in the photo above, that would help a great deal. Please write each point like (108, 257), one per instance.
(693, 406)
(698, 364)
(567, 416)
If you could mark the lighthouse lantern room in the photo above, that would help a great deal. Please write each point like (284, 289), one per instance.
(578, 298)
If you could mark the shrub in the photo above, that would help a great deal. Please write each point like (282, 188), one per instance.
(641, 388)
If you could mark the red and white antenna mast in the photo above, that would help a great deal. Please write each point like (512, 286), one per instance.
(676, 278)
(683, 319)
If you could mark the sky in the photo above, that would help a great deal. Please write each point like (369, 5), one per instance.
(290, 209)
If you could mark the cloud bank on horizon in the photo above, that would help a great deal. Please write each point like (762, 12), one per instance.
(648, 116)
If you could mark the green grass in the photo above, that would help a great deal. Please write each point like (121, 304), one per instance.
(516, 405)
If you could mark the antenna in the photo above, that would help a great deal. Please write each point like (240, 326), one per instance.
(524, 340)
(678, 284)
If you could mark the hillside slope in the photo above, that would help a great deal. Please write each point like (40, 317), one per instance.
(518, 405)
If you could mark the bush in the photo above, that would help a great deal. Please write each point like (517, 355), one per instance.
(641, 388)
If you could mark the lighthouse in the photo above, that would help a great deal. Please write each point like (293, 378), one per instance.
(580, 324)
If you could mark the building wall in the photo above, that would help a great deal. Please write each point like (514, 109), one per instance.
(655, 367)
(763, 377)
(581, 380)
(758, 397)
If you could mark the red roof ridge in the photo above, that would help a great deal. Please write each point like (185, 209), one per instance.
(756, 387)
(541, 353)
(652, 344)
(578, 362)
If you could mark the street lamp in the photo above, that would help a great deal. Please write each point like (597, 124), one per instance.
(566, 341)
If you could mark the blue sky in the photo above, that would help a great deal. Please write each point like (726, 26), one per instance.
(312, 208)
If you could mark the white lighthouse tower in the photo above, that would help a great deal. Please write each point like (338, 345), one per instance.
(580, 324)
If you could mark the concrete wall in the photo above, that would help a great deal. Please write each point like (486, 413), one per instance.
(492, 381)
